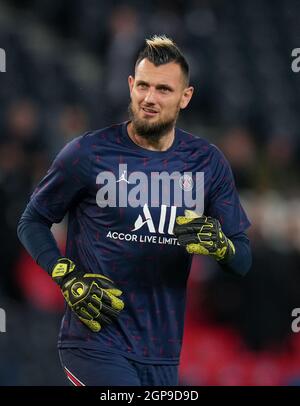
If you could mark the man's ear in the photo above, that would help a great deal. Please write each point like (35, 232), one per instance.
(186, 97)
(130, 82)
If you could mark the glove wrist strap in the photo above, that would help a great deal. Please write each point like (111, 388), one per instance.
(62, 268)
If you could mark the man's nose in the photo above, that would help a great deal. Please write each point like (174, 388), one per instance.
(150, 97)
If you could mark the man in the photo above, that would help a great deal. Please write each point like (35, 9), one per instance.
(124, 276)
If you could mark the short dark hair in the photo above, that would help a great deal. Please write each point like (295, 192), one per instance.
(160, 50)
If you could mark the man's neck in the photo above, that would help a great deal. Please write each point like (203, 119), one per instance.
(161, 144)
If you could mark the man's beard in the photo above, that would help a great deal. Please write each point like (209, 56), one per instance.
(153, 131)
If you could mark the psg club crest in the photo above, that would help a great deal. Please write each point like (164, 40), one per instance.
(186, 183)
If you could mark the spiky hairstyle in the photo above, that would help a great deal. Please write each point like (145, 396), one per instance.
(160, 50)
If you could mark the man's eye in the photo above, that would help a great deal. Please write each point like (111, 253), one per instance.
(164, 89)
(142, 86)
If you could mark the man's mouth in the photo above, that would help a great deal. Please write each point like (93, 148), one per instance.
(149, 112)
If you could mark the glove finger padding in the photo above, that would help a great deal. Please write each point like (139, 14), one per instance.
(103, 281)
(194, 230)
(95, 324)
(110, 298)
(186, 225)
(186, 239)
(107, 316)
(108, 295)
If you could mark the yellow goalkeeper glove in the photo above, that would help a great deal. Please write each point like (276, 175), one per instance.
(203, 235)
(92, 297)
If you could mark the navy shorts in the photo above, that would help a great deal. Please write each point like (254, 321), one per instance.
(86, 367)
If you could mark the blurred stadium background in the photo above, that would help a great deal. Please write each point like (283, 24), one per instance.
(67, 68)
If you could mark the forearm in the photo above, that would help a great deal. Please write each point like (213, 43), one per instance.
(241, 262)
(35, 235)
